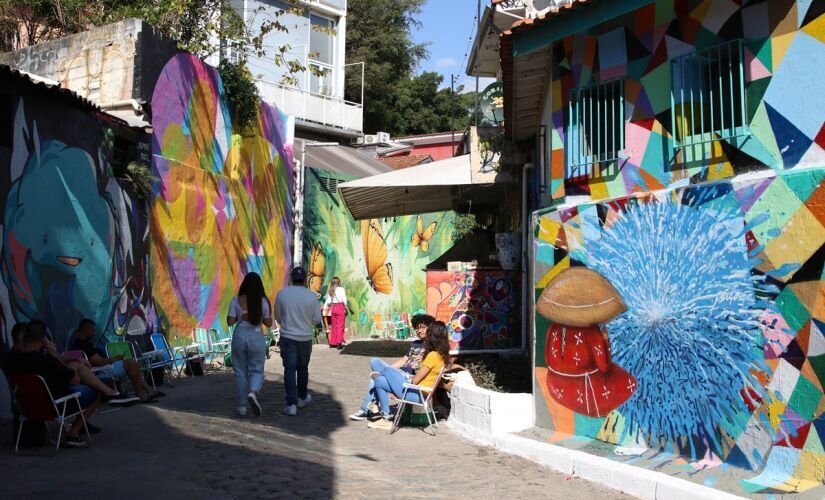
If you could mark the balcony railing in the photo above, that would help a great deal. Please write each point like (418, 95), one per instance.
(315, 108)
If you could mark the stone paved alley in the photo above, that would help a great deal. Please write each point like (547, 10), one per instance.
(190, 445)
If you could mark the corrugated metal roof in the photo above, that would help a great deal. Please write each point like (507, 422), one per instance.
(340, 159)
(7, 73)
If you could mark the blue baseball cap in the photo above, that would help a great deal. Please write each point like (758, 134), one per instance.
(298, 274)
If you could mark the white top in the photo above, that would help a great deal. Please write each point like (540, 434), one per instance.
(340, 297)
(297, 312)
(236, 311)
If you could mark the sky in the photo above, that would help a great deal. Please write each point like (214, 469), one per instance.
(449, 26)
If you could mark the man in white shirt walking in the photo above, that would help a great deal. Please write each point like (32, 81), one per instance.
(297, 312)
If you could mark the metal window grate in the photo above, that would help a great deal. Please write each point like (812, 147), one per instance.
(708, 97)
(595, 129)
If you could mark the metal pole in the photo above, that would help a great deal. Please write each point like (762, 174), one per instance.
(452, 116)
(475, 69)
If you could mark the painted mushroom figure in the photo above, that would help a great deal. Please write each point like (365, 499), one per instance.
(581, 375)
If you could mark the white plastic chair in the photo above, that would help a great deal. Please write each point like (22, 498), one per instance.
(427, 403)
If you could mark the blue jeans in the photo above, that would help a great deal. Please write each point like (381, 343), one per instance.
(376, 365)
(88, 396)
(392, 381)
(248, 357)
(295, 356)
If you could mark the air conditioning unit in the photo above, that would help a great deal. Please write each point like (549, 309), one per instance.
(358, 141)
(371, 139)
(383, 137)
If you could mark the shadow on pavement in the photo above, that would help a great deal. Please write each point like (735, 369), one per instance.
(189, 444)
(377, 348)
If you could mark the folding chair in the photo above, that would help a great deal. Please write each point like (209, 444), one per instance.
(35, 402)
(427, 403)
(378, 325)
(171, 359)
(399, 326)
(127, 349)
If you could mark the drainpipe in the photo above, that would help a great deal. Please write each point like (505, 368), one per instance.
(526, 264)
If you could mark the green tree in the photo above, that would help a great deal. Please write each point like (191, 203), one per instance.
(419, 106)
(379, 34)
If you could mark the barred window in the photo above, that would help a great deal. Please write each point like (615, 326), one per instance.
(708, 97)
(595, 130)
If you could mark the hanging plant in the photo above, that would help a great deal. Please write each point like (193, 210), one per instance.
(240, 93)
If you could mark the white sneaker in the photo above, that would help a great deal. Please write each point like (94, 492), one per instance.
(302, 403)
(241, 411)
(252, 398)
(290, 410)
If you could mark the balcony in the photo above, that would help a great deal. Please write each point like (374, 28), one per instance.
(312, 108)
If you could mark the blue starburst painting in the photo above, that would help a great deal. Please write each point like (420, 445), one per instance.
(690, 335)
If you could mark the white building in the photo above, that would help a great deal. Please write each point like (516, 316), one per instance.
(315, 100)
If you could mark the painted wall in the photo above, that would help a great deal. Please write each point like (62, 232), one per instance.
(335, 246)
(717, 262)
(74, 240)
(480, 308)
(222, 205)
(723, 338)
(784, 47)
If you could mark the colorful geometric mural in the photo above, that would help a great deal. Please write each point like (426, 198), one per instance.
(380, 262)
(222, 205)
(725, 322)
(480, 308)
(783, 45)
(74, 241)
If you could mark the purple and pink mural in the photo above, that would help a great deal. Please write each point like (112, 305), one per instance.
(222, 205)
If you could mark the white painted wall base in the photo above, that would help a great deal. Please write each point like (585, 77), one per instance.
(636, 481)
(489, 411)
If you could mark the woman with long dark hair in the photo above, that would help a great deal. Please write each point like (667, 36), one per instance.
(336, 302)
(250, 311)
(436, 357)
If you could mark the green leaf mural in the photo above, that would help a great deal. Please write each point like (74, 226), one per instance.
(329, 225)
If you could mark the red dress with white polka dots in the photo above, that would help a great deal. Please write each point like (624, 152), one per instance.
(580, 373)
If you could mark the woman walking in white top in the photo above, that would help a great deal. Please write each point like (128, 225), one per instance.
(336, 301)
(250, 310)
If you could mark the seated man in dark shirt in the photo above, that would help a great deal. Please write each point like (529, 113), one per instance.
(121, 368)
(32, 359)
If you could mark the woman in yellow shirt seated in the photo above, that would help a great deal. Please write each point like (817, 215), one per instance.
(436, 356)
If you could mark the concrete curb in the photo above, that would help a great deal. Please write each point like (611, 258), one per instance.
(636, 481)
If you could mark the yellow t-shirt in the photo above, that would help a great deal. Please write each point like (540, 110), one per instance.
(435, 363)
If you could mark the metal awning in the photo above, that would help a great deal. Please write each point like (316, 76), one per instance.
(341, 159)
(432, 187)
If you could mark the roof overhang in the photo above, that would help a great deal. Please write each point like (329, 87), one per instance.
(339, 159)
(484, 55)
(432, 187)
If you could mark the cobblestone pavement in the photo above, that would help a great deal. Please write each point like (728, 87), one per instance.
(190, 445)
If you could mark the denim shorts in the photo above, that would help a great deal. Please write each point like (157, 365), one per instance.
(118, 370)
(87, 395)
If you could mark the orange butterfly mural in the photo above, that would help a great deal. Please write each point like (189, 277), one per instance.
(317, 266)
(379, 272)
(421, 237)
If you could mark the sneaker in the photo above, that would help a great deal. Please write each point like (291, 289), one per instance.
(253, 402)
(120, 400)
(381, 423)
(359, 415)
(373, 408)
(241, 410)
(290, 410)
(302, 403)
(75, 441)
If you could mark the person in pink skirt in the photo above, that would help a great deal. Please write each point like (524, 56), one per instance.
(336, 303)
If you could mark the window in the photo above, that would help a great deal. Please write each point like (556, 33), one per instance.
(708, 97)
(595, 130)
(322, 54)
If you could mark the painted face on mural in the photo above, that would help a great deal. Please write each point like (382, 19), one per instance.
(58, 240)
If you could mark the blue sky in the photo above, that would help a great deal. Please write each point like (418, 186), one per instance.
(448, 25)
